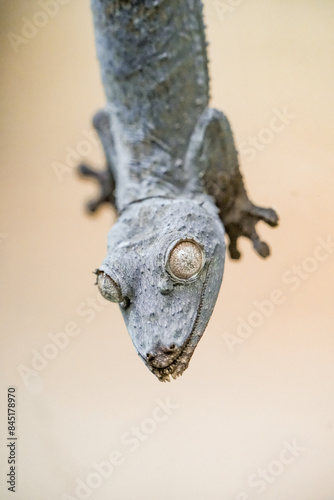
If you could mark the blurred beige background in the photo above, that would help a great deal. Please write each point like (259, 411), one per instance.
(253, 416)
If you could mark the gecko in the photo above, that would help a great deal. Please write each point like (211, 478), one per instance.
(172, 175)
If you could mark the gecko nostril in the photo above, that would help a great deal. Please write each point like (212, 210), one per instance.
(161, 356)
(125, 304)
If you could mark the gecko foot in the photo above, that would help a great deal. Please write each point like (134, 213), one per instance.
(242, 220)
(106, 185)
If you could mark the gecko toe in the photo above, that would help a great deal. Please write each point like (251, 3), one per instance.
(268, 215)
(261, 247)
(234, 252)
(92, 206)
(233, 235)
(87, 171)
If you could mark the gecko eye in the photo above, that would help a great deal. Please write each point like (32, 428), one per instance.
(185, 260)
(108, 288)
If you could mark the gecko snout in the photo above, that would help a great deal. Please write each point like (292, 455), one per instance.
(162, 356)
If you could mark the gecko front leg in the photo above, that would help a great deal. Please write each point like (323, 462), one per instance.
(105, 178)
(213, 154)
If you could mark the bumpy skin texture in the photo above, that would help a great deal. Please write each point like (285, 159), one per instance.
(164, 311)
(172, 174)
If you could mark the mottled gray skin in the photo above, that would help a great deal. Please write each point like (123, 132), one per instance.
(172, 174)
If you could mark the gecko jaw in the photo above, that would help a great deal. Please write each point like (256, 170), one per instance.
(180, 364)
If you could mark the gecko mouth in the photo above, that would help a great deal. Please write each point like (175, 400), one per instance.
(180, 364)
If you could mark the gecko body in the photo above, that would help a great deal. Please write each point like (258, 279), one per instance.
(172, 175)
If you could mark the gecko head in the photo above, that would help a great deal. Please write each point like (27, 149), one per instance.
(164, 267)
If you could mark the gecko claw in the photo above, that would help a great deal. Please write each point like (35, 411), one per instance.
(233, 247)
(268, 215)
(261, 247)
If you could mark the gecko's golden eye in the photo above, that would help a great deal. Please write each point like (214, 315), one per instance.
(108, 288)
(185, 260)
